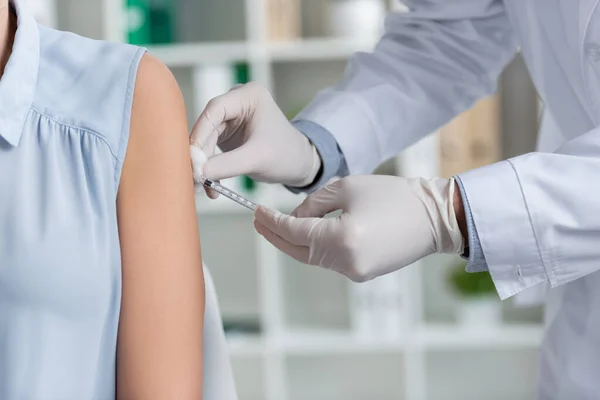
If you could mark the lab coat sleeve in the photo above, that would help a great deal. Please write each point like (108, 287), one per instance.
(333, 162)
(431, 64)
(538, 215)
(473, 252)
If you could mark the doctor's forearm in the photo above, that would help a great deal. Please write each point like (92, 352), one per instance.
(412, 84)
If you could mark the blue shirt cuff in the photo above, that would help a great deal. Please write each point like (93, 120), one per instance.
(333, 162)
(473, 253)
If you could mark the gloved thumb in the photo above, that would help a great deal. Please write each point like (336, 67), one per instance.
(240, 161)
(198, 161)
(293, 230)
(322, 202)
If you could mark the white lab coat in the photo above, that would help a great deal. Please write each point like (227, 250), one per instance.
(537, 215)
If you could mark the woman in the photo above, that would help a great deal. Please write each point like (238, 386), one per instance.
(101, 284)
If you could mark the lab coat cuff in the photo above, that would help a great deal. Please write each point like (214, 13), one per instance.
(352, 125)
(473, 253)
(504, 228)
(332, 158)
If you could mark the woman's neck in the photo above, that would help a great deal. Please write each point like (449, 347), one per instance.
(8, 28)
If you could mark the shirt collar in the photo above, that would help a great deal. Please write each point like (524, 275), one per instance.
(17, 85)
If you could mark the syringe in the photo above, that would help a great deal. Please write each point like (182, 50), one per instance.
(230, 194)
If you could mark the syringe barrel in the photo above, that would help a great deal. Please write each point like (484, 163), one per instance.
(230, 194)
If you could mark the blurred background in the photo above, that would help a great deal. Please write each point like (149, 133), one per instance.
(428, 332)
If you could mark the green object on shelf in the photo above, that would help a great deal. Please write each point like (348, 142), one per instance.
(242, 325)
(162, 21)
(138, 22)
(248, 184)
(466, 284)
(242, 73)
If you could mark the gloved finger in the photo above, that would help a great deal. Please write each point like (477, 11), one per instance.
(294, 230)
(209, 149)
(236, 86)
(219, 110)
(199, 159)
(240, 161)
(322, 202)
(211, 193)
(298, 253)
(209, 146)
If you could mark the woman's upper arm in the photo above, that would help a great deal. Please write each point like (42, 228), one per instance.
(160, 330)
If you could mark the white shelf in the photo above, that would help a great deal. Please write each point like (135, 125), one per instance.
(318, 49)
(192, 54)
(323, 342)
(244, 345)
(451, 337)
(431, 337)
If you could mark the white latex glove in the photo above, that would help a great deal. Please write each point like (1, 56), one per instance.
(256, 139)
(387, 223)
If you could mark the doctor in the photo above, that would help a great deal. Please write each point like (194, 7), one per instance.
(531, 220)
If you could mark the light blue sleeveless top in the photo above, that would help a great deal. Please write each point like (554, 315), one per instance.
(65, 107)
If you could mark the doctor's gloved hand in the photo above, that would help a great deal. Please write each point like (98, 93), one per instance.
(256, 139)
(387, 223)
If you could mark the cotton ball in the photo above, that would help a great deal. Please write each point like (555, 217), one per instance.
(198, 161)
